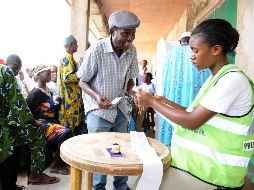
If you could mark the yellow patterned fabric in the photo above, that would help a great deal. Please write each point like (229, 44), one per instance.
(70, 93)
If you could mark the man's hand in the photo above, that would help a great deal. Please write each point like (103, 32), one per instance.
(103, 102)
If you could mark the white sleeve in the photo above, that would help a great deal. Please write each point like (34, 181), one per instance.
(225, 93)
(140, 87)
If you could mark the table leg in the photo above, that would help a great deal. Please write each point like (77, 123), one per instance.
(88, 180)
(76, 178)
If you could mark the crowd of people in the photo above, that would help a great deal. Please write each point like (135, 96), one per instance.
(211, 136)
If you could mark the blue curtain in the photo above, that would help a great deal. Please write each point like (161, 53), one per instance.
(182, 82)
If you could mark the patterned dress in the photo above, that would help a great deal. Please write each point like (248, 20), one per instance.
(42, 106)
(16, 120)
(70, 93)
(182, 82)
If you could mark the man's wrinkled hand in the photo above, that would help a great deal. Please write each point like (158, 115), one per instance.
(103, 102)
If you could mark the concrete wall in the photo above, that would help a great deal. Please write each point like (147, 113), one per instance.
(179, 28)
(245, 26)
(197, 12)
(200, 9)
(80, 11)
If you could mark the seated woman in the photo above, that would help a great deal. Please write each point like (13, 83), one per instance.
(41, 103)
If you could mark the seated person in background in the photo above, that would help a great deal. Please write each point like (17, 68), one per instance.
(142, 72)
(30, 81)
(22, 83)
(41, 104)
(148, 87)
(52, 85)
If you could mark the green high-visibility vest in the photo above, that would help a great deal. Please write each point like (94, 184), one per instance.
(217, 152)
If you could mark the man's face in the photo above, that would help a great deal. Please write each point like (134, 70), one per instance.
(144, 63)
(74, 46)
(123, 38)
(185, 40)
(15, 68)
(45, 76)
(21, 75)
(54, 74)
(30, 73)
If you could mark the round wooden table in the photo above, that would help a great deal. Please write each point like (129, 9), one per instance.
(86, 152)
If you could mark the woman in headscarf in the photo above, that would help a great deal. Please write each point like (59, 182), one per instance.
(69, 90)
(41, 104)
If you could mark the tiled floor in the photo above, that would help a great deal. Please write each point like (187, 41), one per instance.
(64, 183)
(172, 180)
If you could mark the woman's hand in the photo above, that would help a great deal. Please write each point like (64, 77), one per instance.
(159, 98)
(145, 99)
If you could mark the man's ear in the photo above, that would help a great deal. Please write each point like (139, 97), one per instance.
(217, 49)
(111, 31)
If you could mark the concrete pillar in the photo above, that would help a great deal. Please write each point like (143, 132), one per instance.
(245, 48)
(80, 12)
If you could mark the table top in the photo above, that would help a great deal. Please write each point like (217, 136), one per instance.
(86, 152)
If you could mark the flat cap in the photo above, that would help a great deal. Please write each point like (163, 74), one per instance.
(123, 20)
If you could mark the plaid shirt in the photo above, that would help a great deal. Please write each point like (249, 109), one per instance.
(108, 75)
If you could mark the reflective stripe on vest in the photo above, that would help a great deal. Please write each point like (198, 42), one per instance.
(229, 126)
(217, 152)
(222, 158)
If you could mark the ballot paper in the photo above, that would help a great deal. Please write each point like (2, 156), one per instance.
(116, 101)
(152, 166)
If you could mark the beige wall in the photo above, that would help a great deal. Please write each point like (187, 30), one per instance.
(196, 13)
(79, 24)
(245, 26)
(199, 10)
(179, 28)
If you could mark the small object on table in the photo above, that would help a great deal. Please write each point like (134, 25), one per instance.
(115, 148)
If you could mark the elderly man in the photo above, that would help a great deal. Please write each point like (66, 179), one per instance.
(106, 69)
(69, 89)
